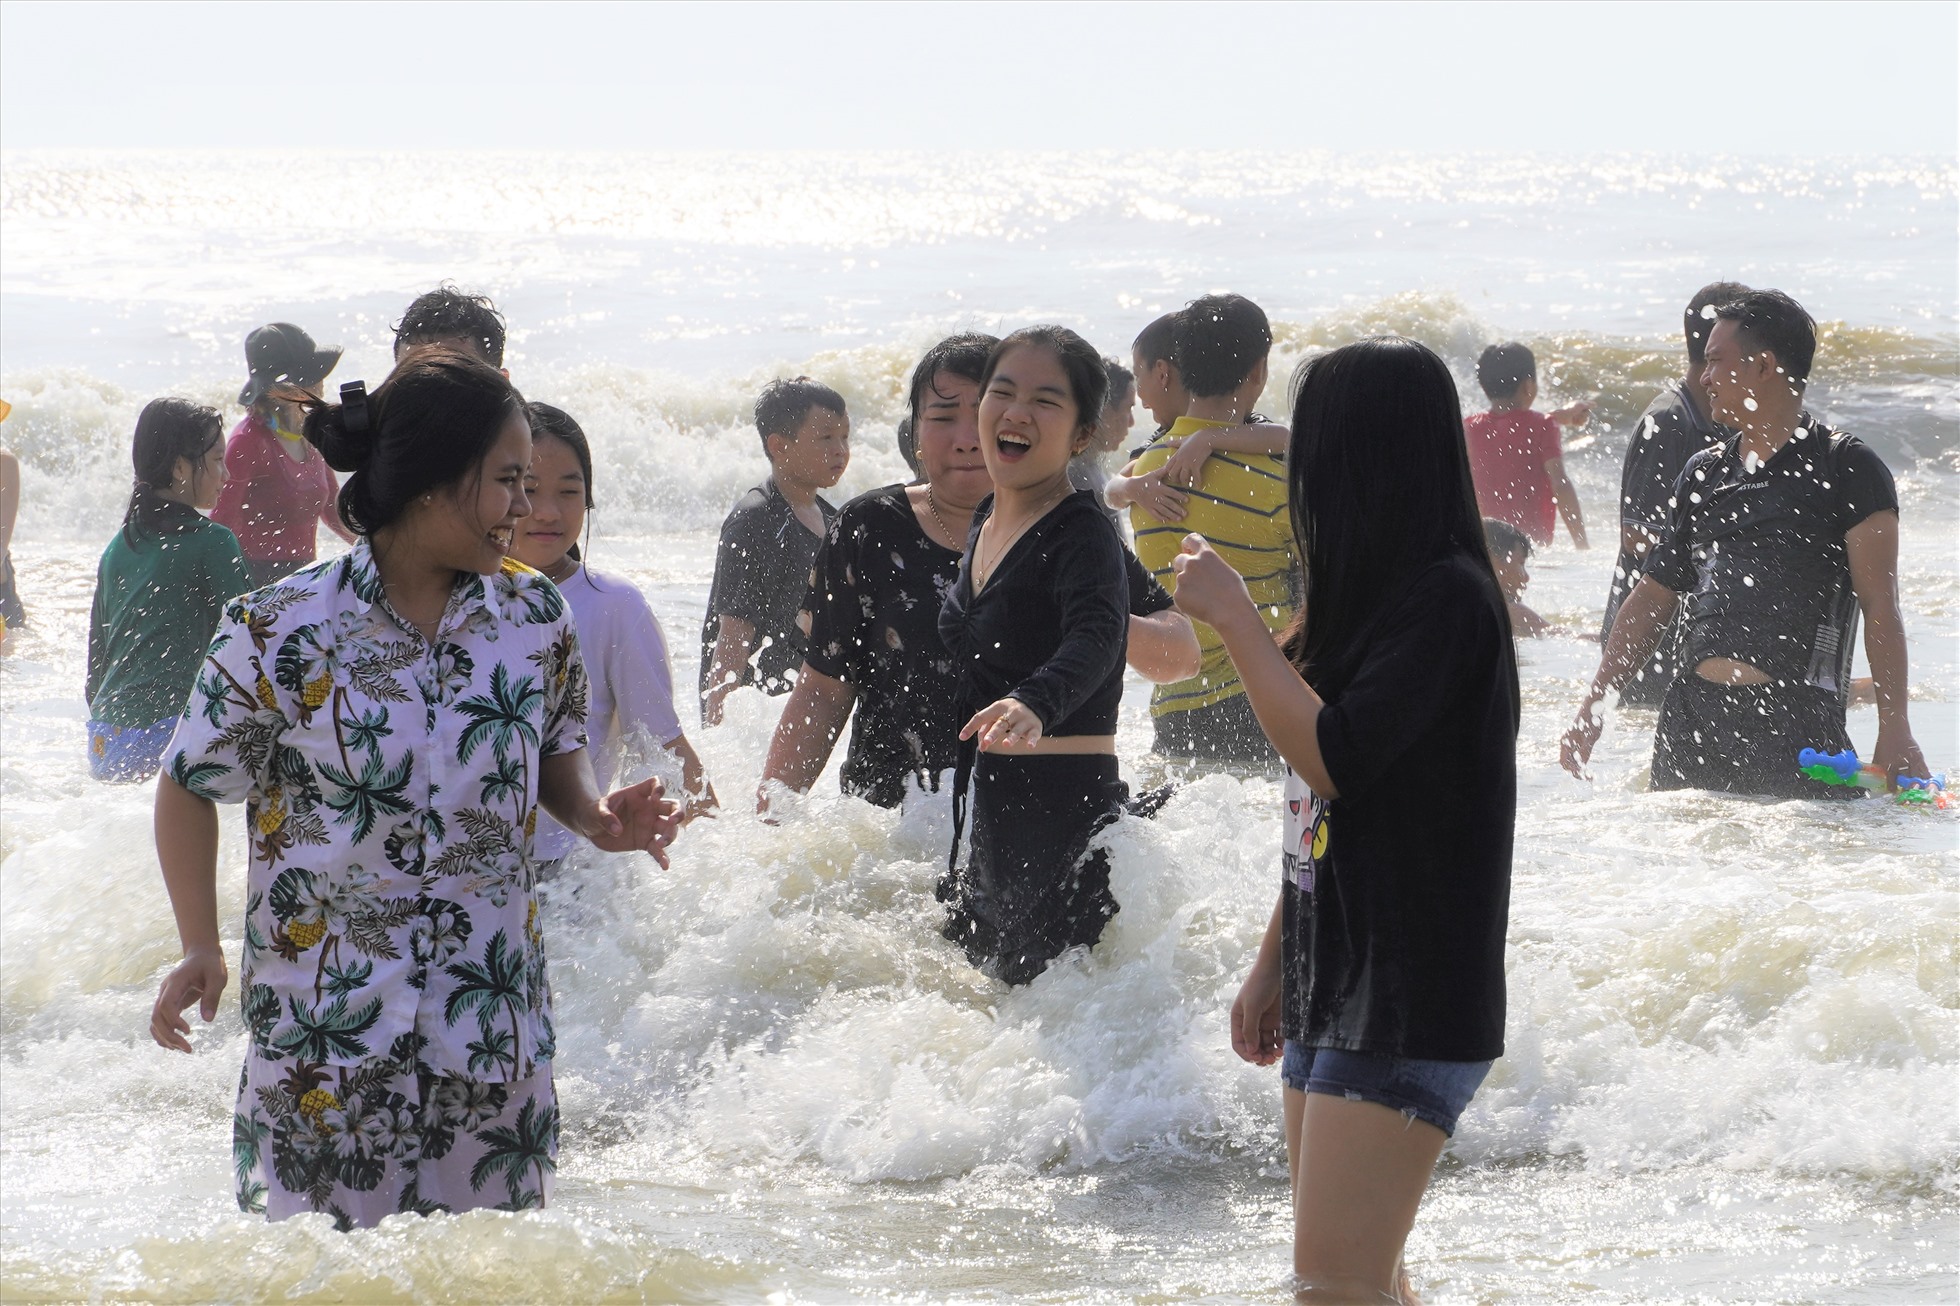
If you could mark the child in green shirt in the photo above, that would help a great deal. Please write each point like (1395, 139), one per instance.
(158, 590)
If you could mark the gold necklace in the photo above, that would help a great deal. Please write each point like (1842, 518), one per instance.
(983, 575)
(933, 508)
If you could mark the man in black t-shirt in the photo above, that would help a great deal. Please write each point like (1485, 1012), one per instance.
(1675, 427)
(768, 543)
(1777, 539)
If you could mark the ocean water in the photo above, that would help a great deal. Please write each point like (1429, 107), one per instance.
(1733, 1066)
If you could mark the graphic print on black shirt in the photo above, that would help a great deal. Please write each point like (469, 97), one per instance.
(762, 572)
(1760, 558)
(1307, 834)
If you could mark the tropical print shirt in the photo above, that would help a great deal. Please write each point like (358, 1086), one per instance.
(391, 789)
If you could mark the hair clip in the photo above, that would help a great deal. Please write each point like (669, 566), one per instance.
(354, 407)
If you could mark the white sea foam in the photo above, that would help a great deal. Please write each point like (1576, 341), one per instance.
(1732, 1053)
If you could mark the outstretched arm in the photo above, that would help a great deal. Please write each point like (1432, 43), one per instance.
(1288, 709)
(1872, 547)
(806, 733)
(1567, 498)
(733, 645)
(187, 848)
(1636, 630)
(638, 818)
(1164, 647)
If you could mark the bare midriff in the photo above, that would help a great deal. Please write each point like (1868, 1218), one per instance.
(1728, 671)
(1058, 746)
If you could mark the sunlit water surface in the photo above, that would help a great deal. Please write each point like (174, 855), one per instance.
(1733, 1067)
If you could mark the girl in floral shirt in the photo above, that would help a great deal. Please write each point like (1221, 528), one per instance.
(392, 719)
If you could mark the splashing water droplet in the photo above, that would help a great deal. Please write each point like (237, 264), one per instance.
(1749, 402)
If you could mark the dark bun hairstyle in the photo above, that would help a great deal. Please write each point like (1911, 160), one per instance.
(429, 425)
(166, 430)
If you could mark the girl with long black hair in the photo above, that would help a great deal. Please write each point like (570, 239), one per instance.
(158, 589)
(1379, 985)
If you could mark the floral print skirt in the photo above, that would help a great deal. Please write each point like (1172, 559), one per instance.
(389, 1135)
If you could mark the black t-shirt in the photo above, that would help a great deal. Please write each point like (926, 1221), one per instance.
(1669, 433)
(1052, 625)
(1760, 554)
(1396, 894)
(762, 572)
(873, 616)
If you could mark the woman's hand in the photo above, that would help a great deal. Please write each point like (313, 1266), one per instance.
(200, 977)
(1256, 1017)
(1004, 725)
(1186, 467)
(638, 818)
(1208, 590)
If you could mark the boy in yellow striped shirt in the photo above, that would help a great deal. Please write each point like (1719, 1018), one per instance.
(1238, 502)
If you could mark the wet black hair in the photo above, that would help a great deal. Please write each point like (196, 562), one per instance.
(1153, 344)
(1380, 485)
(964, 355)
(1087, 382)
(1505, 540)
(1217, 341)
(1121, 381)
(548, 419)
(1503, 369)
(783, 405)
(1770, 319)
(1698, 318)
(448, 314)
(166, 430)
(429, 425)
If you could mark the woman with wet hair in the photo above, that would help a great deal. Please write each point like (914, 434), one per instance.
(872, 615)
(1037, 623)
(1379, 986)
(393, 721)
(158, 589)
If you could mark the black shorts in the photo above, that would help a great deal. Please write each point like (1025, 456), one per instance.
(1031, 889)
(1227, 731)
(1744, 739)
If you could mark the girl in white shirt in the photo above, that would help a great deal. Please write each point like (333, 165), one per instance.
(632, 685)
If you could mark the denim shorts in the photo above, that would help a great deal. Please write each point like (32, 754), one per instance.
(1434, 1091)
(123, 754)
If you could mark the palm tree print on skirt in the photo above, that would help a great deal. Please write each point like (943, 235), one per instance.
(389, 1135)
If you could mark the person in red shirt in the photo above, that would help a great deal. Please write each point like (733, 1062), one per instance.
(276, 485)
(1516, 457)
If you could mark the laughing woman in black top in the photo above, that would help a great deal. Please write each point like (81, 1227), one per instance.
(1380, 984)
(872, 616)
(1036, 624)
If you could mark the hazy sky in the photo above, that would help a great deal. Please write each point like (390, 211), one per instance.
(1864, 78)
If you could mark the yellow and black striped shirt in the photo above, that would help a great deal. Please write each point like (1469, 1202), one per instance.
(1242, 510)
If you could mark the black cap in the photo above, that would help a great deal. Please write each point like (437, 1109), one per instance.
(283, 352)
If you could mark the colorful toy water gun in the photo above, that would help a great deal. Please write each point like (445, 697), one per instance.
(1843, 769)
